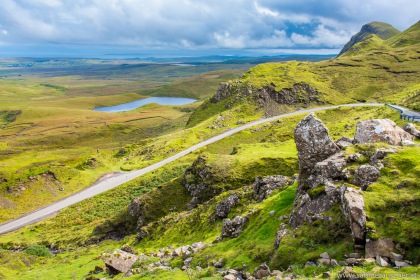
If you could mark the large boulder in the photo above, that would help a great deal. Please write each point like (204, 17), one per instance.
(383, 247)
(313, 143)
(353, 207)
(410, 128)
(223, 208)
(365, 175)
(380, 130)
(262, 271)
(232, 228)
(119, 261)
(264, 186)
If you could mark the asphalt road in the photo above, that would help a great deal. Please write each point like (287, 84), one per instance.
(122, 178)
(405, 113)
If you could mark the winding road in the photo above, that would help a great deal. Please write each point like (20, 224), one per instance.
(122, 178)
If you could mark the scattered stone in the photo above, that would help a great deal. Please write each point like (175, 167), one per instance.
(407, 143)
(219, 263)
(334, 263)
(342, 263)
(324, 255)
(119, 260)
(395, 257)
(382, 247)
(380, 261)
(354, 157)
(370, 260)
(272, 213)
(223, 208)
(129, 249)
(324, 262)
(232, 228)
(277, 273)
(380, 154)
(327, 274)
(401, 264)
(263, 186)
(279, 237)
(262, 271)
(193, 203)
(365, 175)
(354, 255)
(380, 130)
(344, 142)
(309, 263)
(230, 277)
(188, 261)
(353, 207)
(352, 261)
(410, 128)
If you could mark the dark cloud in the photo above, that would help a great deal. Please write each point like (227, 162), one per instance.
(197, 23)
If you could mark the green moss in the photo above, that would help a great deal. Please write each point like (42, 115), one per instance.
(316, 192)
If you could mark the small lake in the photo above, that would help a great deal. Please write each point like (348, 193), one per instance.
(138, 103)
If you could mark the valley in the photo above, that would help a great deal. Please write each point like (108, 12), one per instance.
(273, 197)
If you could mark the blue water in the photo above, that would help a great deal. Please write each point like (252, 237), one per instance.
(138, 103)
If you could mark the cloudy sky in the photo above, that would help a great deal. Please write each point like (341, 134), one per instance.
(192, 24)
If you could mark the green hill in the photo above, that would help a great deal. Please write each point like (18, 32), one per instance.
(381, 29)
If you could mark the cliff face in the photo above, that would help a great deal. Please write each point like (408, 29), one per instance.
(381, 29)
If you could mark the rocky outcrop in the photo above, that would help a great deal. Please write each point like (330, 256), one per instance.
(315, 194)
(262, 271)
(410, 128)
(223, 208)
(380, 130)
(353, 207)
(313, 143)
(119, 261)
(280, 234)
(223, 92)
(365, 175)
(332, 167)
(232, 228)
(198, 180)
(383, 247)
(263, 186)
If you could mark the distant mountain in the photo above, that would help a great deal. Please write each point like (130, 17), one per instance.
(411, 36)
(381, 29)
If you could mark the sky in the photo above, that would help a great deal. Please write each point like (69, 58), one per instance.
(197, 26)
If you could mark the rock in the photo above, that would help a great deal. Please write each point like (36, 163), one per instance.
(324, 262)
(342, 263)
(401, 264)
(119, 260)
(365, 175)
(380, 130)
(410, 128)
(223, 208)
(272, 213)
(380, 261)
(354, 255)
(334, 263)
(344, 142)
(199, 245)
(382, 247)
(353, 206)
(277, 273)
(230, 277)
(354, 157)
(313, 143)
(380, 154)
(219, 263)
(407, 143)
(128, 249)
(331, 167)
(263, 186)
(395, 257)
(327, 274)
(223, 92)
(370, 260)
(188, 261)
(309, 263)
(262, 271)
(324, 255)
(198, 180)
(352, 261)
(279, 237)
(193, 203)
(232, 228)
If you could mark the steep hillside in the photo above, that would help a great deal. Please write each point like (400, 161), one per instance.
(381, 29)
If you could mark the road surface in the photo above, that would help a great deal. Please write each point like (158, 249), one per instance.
(120, 179)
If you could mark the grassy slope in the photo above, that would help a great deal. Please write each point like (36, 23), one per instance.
(266, 145)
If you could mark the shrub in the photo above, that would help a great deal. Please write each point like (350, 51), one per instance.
(38, 250)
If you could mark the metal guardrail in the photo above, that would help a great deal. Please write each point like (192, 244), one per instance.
(403, 115)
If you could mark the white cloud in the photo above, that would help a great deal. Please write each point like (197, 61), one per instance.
(198, 23)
